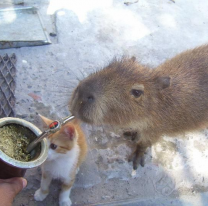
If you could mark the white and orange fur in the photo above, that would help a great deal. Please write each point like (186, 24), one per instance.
(67, 150)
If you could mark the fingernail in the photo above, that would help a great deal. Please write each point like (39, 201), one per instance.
(24, 182)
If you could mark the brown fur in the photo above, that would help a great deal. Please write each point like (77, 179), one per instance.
(174, 97)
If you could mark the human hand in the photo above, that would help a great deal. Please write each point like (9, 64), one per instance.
(9, 188)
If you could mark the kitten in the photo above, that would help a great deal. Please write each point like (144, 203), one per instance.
(67, 150)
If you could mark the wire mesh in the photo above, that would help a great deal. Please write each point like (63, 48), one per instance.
(7, 85)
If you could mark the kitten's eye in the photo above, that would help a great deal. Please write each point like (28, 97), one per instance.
(136, 93)
(53, 146)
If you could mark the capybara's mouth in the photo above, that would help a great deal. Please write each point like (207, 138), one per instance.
(85, 119)
(80, 113)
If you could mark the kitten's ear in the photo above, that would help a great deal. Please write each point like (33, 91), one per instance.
(45, 120)
(69, 131)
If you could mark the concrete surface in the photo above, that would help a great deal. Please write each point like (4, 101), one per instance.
(89, 34)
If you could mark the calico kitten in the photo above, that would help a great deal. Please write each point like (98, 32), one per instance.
(67, 150)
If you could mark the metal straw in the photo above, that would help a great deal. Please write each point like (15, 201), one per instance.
(34, 143)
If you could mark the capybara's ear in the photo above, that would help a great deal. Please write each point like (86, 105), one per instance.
(133, 59)
(162, 82)
(45, 120)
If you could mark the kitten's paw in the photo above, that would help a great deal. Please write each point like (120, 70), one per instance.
(65, 202)
(39, 195)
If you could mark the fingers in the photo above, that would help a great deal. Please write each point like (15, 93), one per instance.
(16, 184)
(9, 188)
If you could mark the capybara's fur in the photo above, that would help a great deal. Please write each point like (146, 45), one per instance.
(167, 100)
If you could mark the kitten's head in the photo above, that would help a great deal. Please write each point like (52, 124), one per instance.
(61, 141)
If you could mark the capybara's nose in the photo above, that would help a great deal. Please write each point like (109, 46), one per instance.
(90, 98)
(87, 99)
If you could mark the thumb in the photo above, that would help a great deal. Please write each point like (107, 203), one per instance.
(9, 188)
(16, 184)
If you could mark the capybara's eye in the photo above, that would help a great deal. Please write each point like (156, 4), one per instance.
(136, 93)
(53, 146)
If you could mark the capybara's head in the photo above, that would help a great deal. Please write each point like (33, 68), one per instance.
(119, 94)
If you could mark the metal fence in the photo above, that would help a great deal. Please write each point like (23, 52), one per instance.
(7, 85)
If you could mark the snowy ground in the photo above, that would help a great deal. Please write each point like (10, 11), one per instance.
(89, 34)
